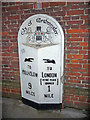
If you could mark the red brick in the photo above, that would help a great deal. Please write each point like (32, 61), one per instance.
(82, 61)
(74, 43)
(4, 33)
(18, 3)
(83, 26)
(13, 17)
(69, 56)
(74, 26)
(15, 44)
(8, 90)
(82, 98)
(87, 86)
(74, 7)
(3, 9)
(75, 12)
(15, 36)
(81, 78)
(75, 31)
(58, 18)
(11, 3)
(56, 9)
(88, 100)
(16, 59)
(83, 43)
(0, 33)
(85, 56)
(76, 35)
(75, 22)
(84, 6)
(73, 77)
(66, 18)
(13, 40)
(84, 17)
(66, 84)
(87, 30)
(12, 33)
(82, 104)
(87, 21)
(5, 62)
(45, 4)
(14, 62)
(74, 81)
(14, 54)
(7, 13)
(13, 47)
(4, 47)
(82, 52)
(4, 50)
(5, 54)
(85, 74)
(74, 56)
(87, 11)
(4, 3)
(12, 8)
(28, 6)
(70, 52)
(74, 61)
(75, 17)
(82, 70)
(14, 26)
(79, 70)
(84, 35)
(25, 16)
(72, 3)
(74, 39)
(4, 89)
(10, 50)
(7, 22)
(57, 3)
(76, 74)
(75, 48)
(74, 65)
(15, 90)
(62, 23)
(86, 48)
(86, 66)
(67, 98)
(62, 13)
(65, 8)
(86, 39)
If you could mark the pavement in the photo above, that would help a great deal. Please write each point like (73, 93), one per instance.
(13, 108)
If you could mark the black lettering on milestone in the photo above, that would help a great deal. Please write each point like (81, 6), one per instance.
(30, 23)
(49, 61)
(28, 59)
(29, 85)
(39, 20)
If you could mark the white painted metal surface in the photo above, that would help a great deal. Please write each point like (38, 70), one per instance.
(41, 58)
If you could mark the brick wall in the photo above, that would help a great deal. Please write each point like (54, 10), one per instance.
(74, 19)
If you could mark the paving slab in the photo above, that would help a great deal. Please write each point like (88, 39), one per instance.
(12, 108)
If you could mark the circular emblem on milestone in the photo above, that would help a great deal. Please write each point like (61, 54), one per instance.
(40, 29)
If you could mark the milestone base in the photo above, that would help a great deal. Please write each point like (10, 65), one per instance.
(42, 106)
